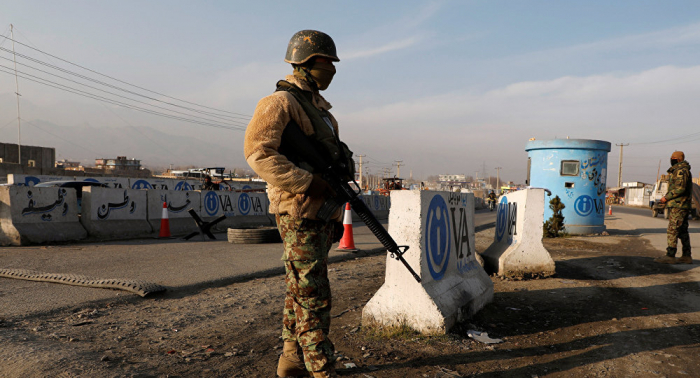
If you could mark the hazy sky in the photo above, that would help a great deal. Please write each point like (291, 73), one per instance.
(444, 86)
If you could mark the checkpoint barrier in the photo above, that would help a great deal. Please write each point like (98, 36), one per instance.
(178, 203)
(377, 203)
(241, 209)
(31, 180)
(115, 213)
(112, 182)
(151, 183)
(38, 215)
(438, 227)
(517, 248)
(186, 184)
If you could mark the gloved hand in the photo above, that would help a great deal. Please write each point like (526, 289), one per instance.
(319, 187)
(338, 230)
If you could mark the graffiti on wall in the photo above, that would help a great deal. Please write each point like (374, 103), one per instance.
(105, 209)
(594, 170)
(45, 210)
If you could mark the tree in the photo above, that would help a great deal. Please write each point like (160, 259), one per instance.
(555, 224)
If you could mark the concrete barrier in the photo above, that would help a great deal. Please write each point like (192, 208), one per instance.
(31, 180)
(241, 209)
(186, 184)
(179, 202)
(115, 213)
(151, 183)
(438, 227)
(38, 215)
(112, 182)
(377, 203)
(517, 248)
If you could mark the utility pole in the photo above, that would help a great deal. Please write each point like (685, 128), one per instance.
(398, 167)
(360, 163)
(619, 173)
(19, 128)
(498, 180)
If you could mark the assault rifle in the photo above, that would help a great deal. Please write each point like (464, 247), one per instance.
(297, 143)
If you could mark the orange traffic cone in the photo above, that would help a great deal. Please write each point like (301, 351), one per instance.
(164, 223)
(610, 210)
(347, 243)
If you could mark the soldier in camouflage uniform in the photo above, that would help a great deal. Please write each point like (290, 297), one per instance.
(679, 201)
(296, 194)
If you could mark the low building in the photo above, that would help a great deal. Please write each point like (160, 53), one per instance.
(121, 163)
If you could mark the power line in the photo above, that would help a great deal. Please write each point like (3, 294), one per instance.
(231, 118)
(124, 82)
(675, 139)
(108, 92)
(8, 124)
(114, 102)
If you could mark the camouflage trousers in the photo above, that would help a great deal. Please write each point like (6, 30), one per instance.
(678, 229)
(307, 304)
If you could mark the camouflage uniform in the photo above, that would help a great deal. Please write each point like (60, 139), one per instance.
(307, 304)
(679, 203)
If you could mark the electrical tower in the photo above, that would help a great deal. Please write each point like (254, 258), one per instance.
(619, 172)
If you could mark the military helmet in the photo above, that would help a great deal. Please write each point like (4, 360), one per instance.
(678, 155)
(307, 44)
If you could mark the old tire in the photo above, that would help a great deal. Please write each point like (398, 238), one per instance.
(253, 235)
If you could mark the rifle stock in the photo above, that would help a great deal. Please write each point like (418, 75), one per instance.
(293, 138)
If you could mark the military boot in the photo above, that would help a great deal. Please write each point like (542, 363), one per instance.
(670, 257)
(291, 363)
(685, 259)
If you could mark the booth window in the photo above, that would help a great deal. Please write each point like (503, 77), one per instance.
(569, 167)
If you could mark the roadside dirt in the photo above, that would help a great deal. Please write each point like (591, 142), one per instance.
(609, 312)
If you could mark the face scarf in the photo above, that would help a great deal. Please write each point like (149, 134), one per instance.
(322, 73)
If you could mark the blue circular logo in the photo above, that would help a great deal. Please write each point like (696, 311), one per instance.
(211, 203)
(183, 185)
(31, 180)
(245, 187)
(502, 218)
(244, 203)
(141, 184)
(584, 205)
(377, 205)
(437, 237)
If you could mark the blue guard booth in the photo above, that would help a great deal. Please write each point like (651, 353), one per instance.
(576, 171)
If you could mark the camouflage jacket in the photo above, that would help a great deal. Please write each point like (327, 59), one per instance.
(680, 186)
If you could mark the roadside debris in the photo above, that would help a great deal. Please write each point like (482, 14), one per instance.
(483, 337)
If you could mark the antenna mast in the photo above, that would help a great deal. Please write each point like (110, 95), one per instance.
(19, 126)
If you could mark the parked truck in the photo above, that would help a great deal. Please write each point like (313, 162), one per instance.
(660, 190)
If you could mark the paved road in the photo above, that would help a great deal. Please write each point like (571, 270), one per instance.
(638, 221)
(182, 266)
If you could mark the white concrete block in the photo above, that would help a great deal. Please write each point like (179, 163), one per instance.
(179, 202)
(438, 227)
(31, 215)
(241, 209)
(115, 213)
(517, 248)
(151, 183)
